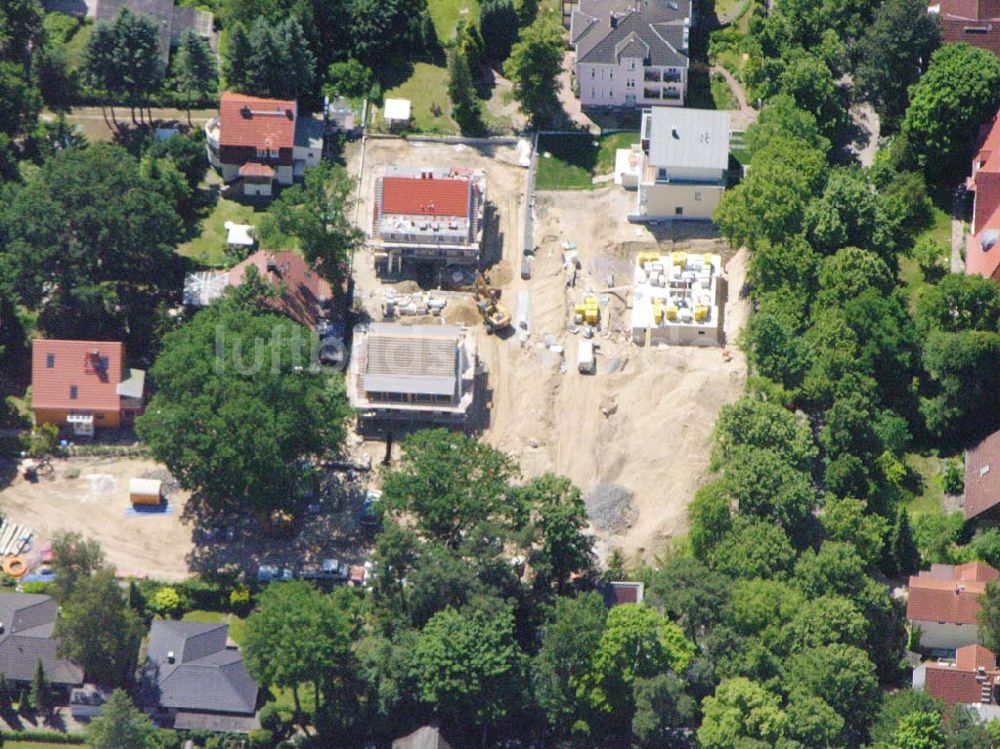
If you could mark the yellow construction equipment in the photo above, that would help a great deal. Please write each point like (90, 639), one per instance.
(677, 257)
(495, 315)
(700, 312)
(589, 309)
(657, 311)
(671, 312)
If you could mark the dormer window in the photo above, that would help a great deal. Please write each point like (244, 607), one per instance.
(72, 392)
(50, 361)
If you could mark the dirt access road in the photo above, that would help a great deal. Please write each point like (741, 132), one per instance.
(661, 404)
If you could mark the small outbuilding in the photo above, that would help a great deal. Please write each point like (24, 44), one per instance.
(396, 113)
(145, 491)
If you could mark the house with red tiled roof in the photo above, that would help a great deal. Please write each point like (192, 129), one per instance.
(259, 143)
(976, 22)
(428, 215)
(943, 603)
(982, 255)
(303, 294)
(84, 385)
(982, 479)
(971, 678)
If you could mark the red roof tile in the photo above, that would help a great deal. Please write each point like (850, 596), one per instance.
(418, 196)
(948, 593)
(76, 363)
(985, 181)
(305, 290)
(982, 477)
(972, 657)
(252, 169)
(259, 123)
(952, 685)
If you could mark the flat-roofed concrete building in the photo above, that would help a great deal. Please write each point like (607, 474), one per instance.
(428, 214)
(419, 373)
(681, 165)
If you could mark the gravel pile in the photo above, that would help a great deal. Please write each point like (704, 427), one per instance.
(610, 508)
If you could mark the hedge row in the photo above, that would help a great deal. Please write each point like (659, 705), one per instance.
(48, 737)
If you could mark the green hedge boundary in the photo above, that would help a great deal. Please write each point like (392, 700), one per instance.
(48, 737)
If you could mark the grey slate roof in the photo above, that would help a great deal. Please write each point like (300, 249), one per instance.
(697, 138)
(416, 359)
(425, 737)
(189, 667)
(657, 23)
(28, 622)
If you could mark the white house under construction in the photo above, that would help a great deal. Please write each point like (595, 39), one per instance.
(419, 373)
(428, 214)
(676, 299)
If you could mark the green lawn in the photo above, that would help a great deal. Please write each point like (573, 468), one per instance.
(722, 95)
(446, 13)
(76, 45)
(427, 88)
(209, 247)
(570, 162)
(929, 490)
(237, 625)
(909, 272)
(8, 744)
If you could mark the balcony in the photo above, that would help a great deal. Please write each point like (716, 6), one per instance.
(652, 76)
(672, 76)
(651, 93)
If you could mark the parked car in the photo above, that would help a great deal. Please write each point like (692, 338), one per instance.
(369, 515)
(268, 573)
(330, 569)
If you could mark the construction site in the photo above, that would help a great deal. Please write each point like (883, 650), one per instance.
(594, 377)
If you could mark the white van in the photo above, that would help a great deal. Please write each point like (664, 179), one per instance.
(585, 361)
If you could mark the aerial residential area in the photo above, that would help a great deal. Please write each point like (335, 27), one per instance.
(453, 374)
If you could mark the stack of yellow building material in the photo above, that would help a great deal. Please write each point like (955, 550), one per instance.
(589, 310)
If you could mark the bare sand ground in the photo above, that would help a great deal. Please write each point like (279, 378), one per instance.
(90, 496)
(661, 403)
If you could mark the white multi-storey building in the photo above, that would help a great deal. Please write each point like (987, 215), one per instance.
(631, 52)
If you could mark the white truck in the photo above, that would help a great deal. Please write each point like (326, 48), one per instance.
(586, 363)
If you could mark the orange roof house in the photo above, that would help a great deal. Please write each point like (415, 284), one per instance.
(971, 679)
(982, 255)
(305, 296)
(428, 214)
(252, 122)
(262, 141)
(944, 603)
(84, 384)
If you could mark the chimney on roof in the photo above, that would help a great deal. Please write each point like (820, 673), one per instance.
(289, 114)
(170, 657)
(959, 589)
(246, 112)
(675, 133)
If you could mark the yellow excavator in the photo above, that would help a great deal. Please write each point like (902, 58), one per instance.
(495, 315)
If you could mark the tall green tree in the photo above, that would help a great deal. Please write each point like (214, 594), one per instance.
(894, 51)
(317, 213)
(97, 629)
(462, 92)
(466, 666)
(20, 29)
(74, 558)
(20, 102)
(194, 67)
(498, 25)
(451, 483)
(238, 409)
(121, 725)
(533, 66)
(299, 636)
(572, 633)
(270, 59)
(741, 709)
(92, 273)
(41, 696)
(959, 92)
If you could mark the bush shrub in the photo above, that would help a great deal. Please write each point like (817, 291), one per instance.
(48, 737)
(953, 478)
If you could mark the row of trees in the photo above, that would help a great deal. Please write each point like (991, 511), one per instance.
(807, 507)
